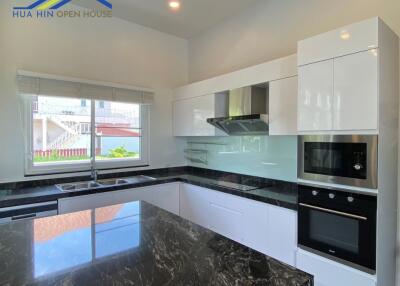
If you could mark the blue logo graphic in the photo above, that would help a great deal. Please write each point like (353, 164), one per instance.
(55, 4)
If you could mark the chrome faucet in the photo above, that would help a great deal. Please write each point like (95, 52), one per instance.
(94, 174)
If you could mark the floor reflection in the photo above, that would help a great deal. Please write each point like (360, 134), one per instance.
(70, 241)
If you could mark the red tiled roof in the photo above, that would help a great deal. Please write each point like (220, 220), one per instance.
(111, 130)
(51, 227)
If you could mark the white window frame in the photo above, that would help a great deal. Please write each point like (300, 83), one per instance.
(86, 165)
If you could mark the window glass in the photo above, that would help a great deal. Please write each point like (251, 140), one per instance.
(61, 130)
(61, 137)
(118, 132)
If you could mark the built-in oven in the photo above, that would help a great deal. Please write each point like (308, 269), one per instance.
(339, 225)
(339, 159)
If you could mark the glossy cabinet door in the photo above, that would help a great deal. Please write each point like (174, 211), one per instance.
(165, 196)
(226, 220)
(356, 91)
(282, 236)
(283, 106)
(190, 116)
(182, 117)
(194, 204)
(327, 272)
(231, 216)
(266, 228)
(256, 226)
(219, 212)
(346, 40)
(315, 97)
(80, 203)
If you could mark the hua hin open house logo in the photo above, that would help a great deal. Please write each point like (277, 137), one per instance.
(52, 8)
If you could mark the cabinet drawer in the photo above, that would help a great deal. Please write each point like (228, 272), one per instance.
(330, 273)
(226, 221)
(269, 229)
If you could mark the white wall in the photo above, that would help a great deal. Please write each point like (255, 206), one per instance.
(271, 28)
(101, 49)
(398, 214)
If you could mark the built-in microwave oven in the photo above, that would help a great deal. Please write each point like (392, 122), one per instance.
(350, 160)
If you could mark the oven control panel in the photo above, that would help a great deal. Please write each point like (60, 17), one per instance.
(335, 198)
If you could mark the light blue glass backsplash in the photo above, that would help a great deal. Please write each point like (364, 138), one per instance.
(273, 157)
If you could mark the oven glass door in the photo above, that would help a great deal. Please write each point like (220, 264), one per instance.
(336, 159)
(339, 234)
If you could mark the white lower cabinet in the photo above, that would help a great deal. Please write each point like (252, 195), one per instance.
(257, 225)
(282, 237)
(227, 221)
(266, 228)
(194, 204)
(165, 196)
(330, 273)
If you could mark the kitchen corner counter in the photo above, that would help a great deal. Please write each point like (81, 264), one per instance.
(132, 244)
(280, 193)
(277, 193)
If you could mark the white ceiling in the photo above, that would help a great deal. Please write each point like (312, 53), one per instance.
(194, 16)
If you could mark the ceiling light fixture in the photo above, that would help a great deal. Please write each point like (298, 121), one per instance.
(345, 35)
(174, 5)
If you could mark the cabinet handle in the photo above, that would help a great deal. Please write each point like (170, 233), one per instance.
(333, 211)
(225, 209)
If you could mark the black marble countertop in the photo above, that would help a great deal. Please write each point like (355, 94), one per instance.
(132, 244)
(274, 192)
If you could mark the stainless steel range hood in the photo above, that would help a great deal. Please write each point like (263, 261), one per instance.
(248, 112)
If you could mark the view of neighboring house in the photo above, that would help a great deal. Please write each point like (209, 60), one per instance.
(61, 128)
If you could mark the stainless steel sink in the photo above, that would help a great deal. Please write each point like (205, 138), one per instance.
(81, 186)
(112, 182)
(70, 187)
(140, 179)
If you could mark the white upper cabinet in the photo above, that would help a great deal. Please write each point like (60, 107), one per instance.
(315, 96)
(283, 106)
(190, 116)
(265, 72)
(338, 80)
(196, 102)
(356, 91)
(350, 39)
